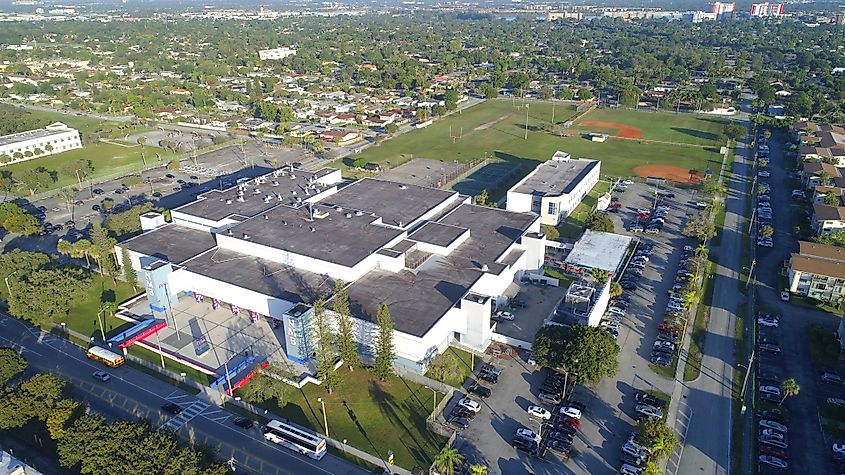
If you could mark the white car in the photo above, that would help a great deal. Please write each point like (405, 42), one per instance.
(839, 448)
(763, 174)
(798, 194)
(468, 403)
(627, 182)
(539, 413)
(773, 434)
(784, 295)
(504, 315)
(767, 322)
(634, 451)
(616, 310)
(836, 401)
(572, 412)
(773, 390)
(774, 462)
(773, 425)
(627, 469)
(528, 434)
(649, 411)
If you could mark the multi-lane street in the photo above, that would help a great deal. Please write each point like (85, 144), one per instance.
(131, 394)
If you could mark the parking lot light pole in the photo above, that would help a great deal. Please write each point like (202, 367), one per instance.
(747, 373)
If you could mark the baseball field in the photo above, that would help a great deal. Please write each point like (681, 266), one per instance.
(662, 144)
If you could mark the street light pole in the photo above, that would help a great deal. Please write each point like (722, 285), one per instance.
(747, 373)
(526, 120)
(170, 306)
(100, 321)
(325, 419)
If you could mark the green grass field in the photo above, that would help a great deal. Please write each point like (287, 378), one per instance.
(105, 157)
(372, 416)
(663, 126)
(497, 128)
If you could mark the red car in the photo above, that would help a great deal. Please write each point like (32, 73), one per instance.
(571, 422)
(616, 205)
(643, 215)
(773, 451)
(668, 328)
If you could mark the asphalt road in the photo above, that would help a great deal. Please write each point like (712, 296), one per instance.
(704, 413)
(132, 394)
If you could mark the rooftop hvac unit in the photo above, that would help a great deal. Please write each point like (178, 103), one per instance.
(279, 196)
(275, 182)
(403, 187)
(484, 268)
(266, 217)
(241, 198)
(284, 223)
(338, 209)
(348, 215)
(256, 191)
(292, 176)
(276, 173)
(311, 228)
(229, 231)
(228, 202)
(359, 213)
(246, 236)
(268, 198)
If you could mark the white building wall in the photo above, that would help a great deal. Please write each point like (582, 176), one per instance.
(60, 141)
(182, 280)
(519, 202)
(599, 306)
(477, 334)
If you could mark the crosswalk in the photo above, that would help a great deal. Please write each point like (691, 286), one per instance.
(194, 408)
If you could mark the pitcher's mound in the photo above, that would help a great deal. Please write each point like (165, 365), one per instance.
(669, 172)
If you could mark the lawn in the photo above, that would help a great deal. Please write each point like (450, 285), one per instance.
(83, 315)
(466, 360)
(106, 158)
(496, 128)
(824, 349)
(664, 126)
(372, 416)
(699, 327)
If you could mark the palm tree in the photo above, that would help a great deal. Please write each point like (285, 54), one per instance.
(600, 275)
(477, 469)
(789, 388)
(446, 460)
(701, 250)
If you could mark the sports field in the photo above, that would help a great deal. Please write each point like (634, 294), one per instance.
(670, 143)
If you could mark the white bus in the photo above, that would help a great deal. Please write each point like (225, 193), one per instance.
(296, 438)
(101, 354)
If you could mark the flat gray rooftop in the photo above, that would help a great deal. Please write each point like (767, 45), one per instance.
(598, 250)
(554, 177)
(172, 243)
(492, 231)
(398, 204)
(438, 234)
(289, 189)
(336, 238)
(260, 275)
(417, 300)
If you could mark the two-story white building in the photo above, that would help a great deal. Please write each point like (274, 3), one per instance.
(55, 138)
(554, 188)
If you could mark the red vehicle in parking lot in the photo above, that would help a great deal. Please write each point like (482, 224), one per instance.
(616, 205)
(643, 215)
(773, 451)
(570, 421)
(668, 328)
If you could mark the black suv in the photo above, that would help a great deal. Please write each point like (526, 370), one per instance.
(171, 408)
(479, 390)
(526, 445)
(243, 422)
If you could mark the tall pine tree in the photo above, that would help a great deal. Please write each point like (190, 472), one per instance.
(345, 327)
(325, 353)
(129, 274)
(385, 352)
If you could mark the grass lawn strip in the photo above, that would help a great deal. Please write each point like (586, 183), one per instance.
(371, 415)
(466, 360)
(699, 327)
(664, 126)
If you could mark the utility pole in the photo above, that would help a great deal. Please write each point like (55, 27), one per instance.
(325, 420)
(747, 373)
(526, 120)
(751, 272)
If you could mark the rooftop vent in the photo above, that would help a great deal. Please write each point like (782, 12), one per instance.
(268, 198)
(338, 209)
(403, 187)
(311, 228)
(275, 182)
(228, 202)
(241, 199)
(348, 215)
(292, 176)
(359, 213)
(246, 236)
(266, 217)
(284, 223)
(229, 231)
(484, 268)
(256, 191)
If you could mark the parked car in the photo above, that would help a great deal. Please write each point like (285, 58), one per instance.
(770, 390)
(460, 411)
(774, 462)
(539, 413)
(646, 398)
(831, 377)
(560, 447)
(501, 315)
(768, 321)
(626, 469)
(470, 404)
(570, 421)
(649, 411)
(765, 423)
(570, 411)
(459, 422)
(559, 435)
(549, 398)
(526, 445)
(527, 434)
(773, 442)
(480, 391)
(773, 451)
(770, 348)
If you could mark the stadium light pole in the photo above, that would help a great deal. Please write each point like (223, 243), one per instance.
(526, 120)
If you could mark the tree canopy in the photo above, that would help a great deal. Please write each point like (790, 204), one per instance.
(587, 351)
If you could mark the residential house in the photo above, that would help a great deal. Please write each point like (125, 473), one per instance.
(340, 137)
(821, 142)
(817, 271)
(813, 172)
(828, 219)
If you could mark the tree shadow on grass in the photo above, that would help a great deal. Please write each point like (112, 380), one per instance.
(391, 409)
(696, 133)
